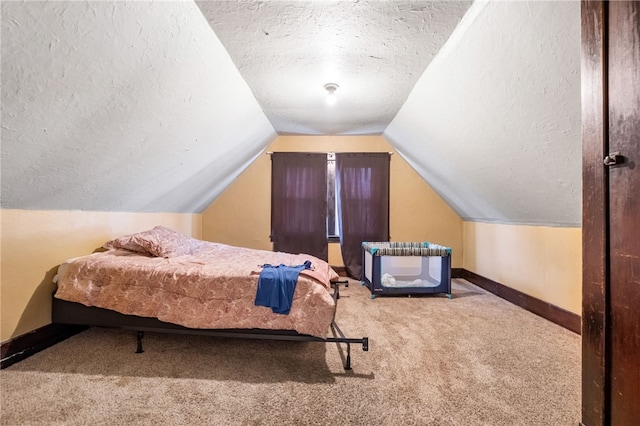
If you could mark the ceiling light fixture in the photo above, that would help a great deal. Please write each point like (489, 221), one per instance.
(331, 89)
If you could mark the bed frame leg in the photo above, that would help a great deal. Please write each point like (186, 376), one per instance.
(347, 364)
(140, 336)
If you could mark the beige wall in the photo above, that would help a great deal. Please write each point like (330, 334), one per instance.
(241, 214)
(543, 262)
(34, 243)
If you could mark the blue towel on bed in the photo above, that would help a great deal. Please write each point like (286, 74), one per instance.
(276, 286)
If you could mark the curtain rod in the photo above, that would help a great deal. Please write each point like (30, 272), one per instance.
(311, 152)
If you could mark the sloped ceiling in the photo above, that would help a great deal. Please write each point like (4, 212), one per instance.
(493, 124)
(121, 106)
(138, 106)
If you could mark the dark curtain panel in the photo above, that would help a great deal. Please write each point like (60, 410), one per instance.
(362, 185)
(299, 203)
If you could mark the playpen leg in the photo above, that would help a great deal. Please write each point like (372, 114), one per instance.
(450, 296)
(140, 336)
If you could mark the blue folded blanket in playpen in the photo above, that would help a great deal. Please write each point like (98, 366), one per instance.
(276, 286)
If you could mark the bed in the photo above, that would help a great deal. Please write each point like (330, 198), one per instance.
(162, 281)
(406, 268)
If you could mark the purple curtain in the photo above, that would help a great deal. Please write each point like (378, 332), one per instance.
(362, 185)
(299, 203)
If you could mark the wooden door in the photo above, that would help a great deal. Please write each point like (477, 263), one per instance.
(611, 213)
(624, 211)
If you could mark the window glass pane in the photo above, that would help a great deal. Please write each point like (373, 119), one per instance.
(332, 200)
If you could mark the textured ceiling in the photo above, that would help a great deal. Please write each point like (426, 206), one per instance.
(121, 106)
(493, 125)
(374, 50)
(148, 106)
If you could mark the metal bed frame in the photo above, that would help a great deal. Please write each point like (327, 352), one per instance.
(64, 312)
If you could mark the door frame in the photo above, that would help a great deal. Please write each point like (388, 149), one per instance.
(595, 217)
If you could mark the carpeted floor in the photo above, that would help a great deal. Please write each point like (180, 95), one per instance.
(472, 360)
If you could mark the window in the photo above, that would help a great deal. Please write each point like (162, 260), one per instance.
(294, 194)
(317, 198)
(333, 228)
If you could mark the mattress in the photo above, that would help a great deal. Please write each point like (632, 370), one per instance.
(212, 287)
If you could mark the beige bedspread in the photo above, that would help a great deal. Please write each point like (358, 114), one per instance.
(213, 287)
